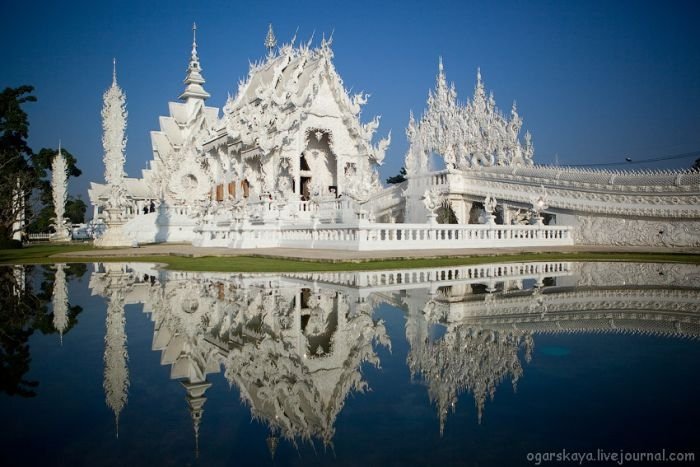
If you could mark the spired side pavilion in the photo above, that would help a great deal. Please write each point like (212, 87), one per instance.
(288, 163)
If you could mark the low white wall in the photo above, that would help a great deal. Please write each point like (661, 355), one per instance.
(157, 227)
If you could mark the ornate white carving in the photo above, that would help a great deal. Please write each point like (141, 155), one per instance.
(114, 116)
(635, 232)
(476, 134)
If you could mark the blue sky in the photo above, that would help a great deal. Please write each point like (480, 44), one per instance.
(595, 81)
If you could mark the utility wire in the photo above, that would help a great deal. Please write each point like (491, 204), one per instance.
(629, 161)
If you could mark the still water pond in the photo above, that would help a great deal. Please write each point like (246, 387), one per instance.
(124, 364)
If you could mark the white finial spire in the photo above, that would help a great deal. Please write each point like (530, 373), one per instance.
(270, 40)
(194, 79)
(114, 70)
(194, 42)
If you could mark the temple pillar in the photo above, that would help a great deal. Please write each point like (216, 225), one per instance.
(461, 208)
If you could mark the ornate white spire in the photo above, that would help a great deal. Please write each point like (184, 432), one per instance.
(194, 79)
(270, 40)
(59, 300)
(59, 192)
(114, 141)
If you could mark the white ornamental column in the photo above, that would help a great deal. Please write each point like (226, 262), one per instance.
(114, 143)
(59, 192)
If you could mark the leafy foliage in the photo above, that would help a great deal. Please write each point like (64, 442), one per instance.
(25, 189)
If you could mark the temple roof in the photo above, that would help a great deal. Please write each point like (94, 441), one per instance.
(296, 65)
(135, 188)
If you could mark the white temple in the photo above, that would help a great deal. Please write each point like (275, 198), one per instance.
(289, 163)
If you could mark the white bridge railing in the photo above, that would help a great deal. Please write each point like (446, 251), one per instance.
(365, 236)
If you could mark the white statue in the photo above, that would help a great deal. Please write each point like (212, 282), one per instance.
(539, 204)
(432, 200)
(490, 207)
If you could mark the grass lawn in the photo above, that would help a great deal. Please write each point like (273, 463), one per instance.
(40, 254)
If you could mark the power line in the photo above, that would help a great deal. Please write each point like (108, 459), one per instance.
(629, 161)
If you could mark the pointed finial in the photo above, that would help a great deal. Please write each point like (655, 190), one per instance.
(59, 147)
(478, 75)
(194, 79)
(194, 57)
(270, 40)
(114, 70)
(440, 67)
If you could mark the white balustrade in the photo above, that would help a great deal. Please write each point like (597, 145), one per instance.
(366, 236)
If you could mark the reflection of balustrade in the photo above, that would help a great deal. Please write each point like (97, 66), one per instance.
(422, 236)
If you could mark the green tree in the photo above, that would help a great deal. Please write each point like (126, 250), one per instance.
(25, 191)
(399, 178)
(75, 210)
(16, 171)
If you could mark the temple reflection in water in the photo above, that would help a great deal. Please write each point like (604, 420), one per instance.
(294, 344)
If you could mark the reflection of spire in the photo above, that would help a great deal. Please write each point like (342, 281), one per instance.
(60, 301)
(468, 359)
(116, 376)
(272, 442)
(195, 401)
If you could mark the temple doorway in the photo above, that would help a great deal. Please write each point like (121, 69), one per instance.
(305, 188)
(318, 165)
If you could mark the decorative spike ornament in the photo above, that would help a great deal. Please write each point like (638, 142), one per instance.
(270, 40)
